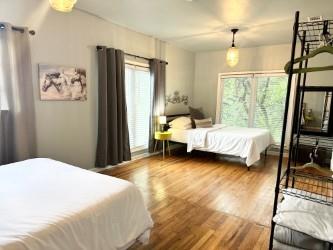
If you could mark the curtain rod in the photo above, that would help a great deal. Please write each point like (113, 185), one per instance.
(31, 32)
(15, 28)
(128, 54)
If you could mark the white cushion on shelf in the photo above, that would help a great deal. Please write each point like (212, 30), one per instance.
(306, 216)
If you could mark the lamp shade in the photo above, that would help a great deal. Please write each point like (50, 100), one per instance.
(232, 56)
(62, 5)
(162, 119)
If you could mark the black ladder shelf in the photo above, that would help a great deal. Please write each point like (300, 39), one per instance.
(312, 186)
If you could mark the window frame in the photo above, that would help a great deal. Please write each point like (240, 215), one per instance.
(252, 75)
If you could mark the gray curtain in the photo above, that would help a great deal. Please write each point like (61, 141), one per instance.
(157, 69)
(17, 115)
(113, 138)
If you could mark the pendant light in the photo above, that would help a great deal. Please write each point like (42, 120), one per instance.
(62, 5)
(233, 52)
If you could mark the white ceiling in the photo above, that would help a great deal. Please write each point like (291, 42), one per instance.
(205, 24)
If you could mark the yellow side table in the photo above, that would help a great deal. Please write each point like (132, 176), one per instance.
(162, 136)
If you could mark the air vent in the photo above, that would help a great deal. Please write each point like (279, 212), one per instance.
(315, 18)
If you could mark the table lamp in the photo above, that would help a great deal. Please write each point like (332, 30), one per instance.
(162, 121)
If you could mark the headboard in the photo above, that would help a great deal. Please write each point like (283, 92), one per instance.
(172, 117)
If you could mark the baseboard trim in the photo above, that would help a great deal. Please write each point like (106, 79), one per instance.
(172, 147)
(134, 158)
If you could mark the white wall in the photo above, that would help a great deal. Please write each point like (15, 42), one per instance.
(67, 131)
(180, 77)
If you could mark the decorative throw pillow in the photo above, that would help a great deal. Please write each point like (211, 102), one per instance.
(204, 123)
(196, 114)
(181, 123)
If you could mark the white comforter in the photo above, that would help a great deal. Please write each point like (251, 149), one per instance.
(307, 217)
(244, 142)
(46, 204)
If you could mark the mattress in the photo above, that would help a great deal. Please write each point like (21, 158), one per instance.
(247, 143)
(46, 204)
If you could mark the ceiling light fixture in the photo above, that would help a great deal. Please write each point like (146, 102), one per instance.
(62, 5)
(233, 52)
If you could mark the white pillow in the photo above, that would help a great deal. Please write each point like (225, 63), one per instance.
(181, 123)
(203, 123)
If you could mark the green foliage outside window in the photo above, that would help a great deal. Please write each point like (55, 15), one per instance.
(236, 101)
(270, 103)
(268, 109)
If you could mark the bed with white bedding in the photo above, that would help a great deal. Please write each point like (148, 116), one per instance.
(237, 141)
(46, 204)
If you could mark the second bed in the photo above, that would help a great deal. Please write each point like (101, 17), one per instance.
(246, 143)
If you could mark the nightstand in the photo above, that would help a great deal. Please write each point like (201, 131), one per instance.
(162, 136)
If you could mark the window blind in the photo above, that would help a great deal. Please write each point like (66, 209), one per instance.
(270, 103)
(138, 98)
(236, 101)
(3, 97)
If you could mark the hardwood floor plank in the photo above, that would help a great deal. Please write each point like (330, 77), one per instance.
(250, 237)
(200, 202)
(262, 242)
(203, 240)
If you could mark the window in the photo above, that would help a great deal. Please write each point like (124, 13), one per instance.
(236, 97)
(3, 97)
(138, 98)
(253, 100)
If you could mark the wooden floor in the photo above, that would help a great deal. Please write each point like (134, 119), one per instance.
(200, 202)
